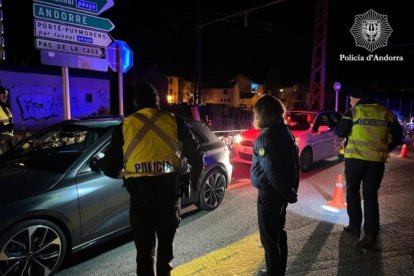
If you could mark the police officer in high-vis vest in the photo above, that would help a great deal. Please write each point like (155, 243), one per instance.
(148, 148)
(371, 132)
(6, 122)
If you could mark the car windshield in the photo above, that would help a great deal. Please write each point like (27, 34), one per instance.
(299, 120)
(54, 149)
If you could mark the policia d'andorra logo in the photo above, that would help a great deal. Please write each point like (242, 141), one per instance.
(371, 30)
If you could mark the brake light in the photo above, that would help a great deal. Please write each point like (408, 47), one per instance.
(238, 139)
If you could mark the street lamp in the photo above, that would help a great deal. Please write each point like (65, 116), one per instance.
(336, 87)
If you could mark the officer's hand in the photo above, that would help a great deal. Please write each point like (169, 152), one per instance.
(293, 197)
(10, 127)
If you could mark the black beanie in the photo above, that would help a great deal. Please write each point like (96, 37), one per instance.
(3, 90)
(145, 95)
(360, 92)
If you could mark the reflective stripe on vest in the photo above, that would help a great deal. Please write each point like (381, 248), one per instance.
(151, 146)
(6, 118)
(5, 115)
(369, 136)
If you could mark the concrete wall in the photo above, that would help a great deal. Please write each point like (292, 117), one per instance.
(36, 99)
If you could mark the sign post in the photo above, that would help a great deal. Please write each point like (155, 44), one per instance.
(337, 87)
(88, 6)
(69, 36)
(73, 18)
(120, 59)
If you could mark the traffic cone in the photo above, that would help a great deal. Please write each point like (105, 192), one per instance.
(404, 149)
(338, 195)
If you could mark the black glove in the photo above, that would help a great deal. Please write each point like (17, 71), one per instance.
(292, 197)
(10, 127)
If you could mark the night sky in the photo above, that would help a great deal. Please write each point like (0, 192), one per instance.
(276, 42)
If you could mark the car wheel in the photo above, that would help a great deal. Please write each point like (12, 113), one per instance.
(34, 247)
(306, 159)
(212, 190)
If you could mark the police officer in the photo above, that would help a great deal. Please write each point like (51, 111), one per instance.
(148, 147)
(6, 122)
(372, 132)
(275, 173)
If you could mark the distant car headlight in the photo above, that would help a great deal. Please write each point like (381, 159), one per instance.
(238, 139)
(297, 140)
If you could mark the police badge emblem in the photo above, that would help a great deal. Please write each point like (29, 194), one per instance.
(371, 30)
(262, 152)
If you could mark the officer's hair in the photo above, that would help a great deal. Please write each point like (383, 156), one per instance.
(268, 111)
(3, 90)
(143, 94)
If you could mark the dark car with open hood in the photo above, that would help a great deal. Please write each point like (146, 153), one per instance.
(56, 201)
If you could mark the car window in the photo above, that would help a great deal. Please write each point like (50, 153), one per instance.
(321, 120)
(299, 120)
(334, 119)
(203, 133)
(56, 149)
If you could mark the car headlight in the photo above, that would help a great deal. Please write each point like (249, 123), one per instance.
(297, 140)
(238, 139)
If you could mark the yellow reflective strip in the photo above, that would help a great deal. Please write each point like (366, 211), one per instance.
(161, 133)
(366, 153)
(141, 133)
(376, 145)
(244, 257)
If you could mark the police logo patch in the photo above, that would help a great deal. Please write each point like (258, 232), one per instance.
(262, 152)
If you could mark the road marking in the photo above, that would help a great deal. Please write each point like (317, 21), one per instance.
(239, 184)
(244, 257)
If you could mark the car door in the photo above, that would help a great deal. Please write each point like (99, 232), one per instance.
(337, 143)
(104, 203)
(322, 137)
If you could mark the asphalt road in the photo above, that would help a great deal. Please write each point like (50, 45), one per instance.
(225, 241)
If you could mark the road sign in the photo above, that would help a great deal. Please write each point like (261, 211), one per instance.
(69, 17)
(88, 6)
(73, 61)
(56, 31)
(126, 56)
(45, 44)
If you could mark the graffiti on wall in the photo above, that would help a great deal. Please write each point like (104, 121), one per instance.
(37, 106)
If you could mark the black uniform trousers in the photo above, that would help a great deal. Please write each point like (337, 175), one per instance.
(154, 216)
(370, 174)
(271, 213)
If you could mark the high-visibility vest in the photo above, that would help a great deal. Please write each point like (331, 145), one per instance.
(369, 136)
(151, 145)
(6, 118)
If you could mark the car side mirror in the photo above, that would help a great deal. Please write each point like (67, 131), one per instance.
(97, 162)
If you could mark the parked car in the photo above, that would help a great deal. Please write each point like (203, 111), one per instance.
(314, 134)
(409, 128)
(55, 201)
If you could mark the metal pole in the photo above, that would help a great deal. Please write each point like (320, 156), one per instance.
(120, 81)
(197, 89)
(336, 100)
(346, 104)
(66, 93)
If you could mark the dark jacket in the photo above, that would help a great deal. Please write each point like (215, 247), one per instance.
(275, 166)
(344, 127)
